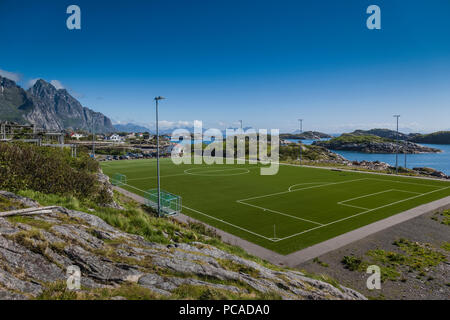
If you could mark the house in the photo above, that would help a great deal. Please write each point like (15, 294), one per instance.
(114, 138)
(131, 136)
(75, 135)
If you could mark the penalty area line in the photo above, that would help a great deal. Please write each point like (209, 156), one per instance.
(230, 224)
(364, 212)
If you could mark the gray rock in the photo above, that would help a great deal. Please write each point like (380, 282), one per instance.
(23, 270)
(10, 282)
(100, 268)
(25, 201)
(8, 295)
(78, 235)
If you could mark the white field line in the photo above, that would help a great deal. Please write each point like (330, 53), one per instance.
(283, 192)
(343, 203)
(154, 177)
(406, 191)
(364, 212)
(350, 205)
(278, 212)
(189, 173)
(365, 196)
(301, 184)
(134, 188)
(230, 224)
(214, 218)
(217, 170)
(412, 183)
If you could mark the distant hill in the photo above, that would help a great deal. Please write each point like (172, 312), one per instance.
(383, 133)
(372, 144)
(440, 137)
(307, 135)
(131, 127)
(48, 108)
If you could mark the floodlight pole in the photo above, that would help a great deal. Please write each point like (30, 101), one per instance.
(396, 153)
(157, 155)
(299, 140)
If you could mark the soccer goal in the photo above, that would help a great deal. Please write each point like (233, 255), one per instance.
(119, 179)
(170, 203)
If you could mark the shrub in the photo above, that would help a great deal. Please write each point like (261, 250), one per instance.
(48, 170)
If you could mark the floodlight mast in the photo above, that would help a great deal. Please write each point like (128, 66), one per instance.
(157, 154)
(299, 141)
(396, 153)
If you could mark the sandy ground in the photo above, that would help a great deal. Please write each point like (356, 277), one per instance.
(421, 229)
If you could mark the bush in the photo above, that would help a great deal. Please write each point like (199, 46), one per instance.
(48, 170)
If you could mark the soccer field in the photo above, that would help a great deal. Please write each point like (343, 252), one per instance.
(286, 212)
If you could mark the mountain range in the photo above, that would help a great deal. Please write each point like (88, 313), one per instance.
(130, 127)
(49, 108)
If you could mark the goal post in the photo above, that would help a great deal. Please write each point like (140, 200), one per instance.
(170, 203)
(119, 179)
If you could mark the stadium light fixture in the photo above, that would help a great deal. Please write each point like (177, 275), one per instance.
(396, 153)
(157, 99)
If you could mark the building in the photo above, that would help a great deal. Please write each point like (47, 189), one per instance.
(75, 135)
(114, 138)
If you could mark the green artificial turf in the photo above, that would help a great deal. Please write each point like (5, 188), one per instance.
(294, 209)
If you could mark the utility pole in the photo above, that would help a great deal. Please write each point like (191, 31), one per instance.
(299, 141)
(396, 153)
(157, 155)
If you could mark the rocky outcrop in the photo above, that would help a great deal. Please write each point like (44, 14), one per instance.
(376, 147)
(36, 251)
(65, 109)
(440, 137)
(431, 172)
(48, 108)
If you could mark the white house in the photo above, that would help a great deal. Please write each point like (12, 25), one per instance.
(115, 138)
(75, 135)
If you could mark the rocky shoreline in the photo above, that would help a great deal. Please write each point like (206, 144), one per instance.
(377, 147)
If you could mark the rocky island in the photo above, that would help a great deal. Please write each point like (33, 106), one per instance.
(439, 137)
(307, 135)
(373, 144)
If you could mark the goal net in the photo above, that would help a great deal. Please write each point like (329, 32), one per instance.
(170, 203)
(119, 179)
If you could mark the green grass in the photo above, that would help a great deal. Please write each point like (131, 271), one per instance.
(417, 258)
(321, 204)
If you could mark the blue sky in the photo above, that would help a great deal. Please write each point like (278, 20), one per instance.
(265, 62)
